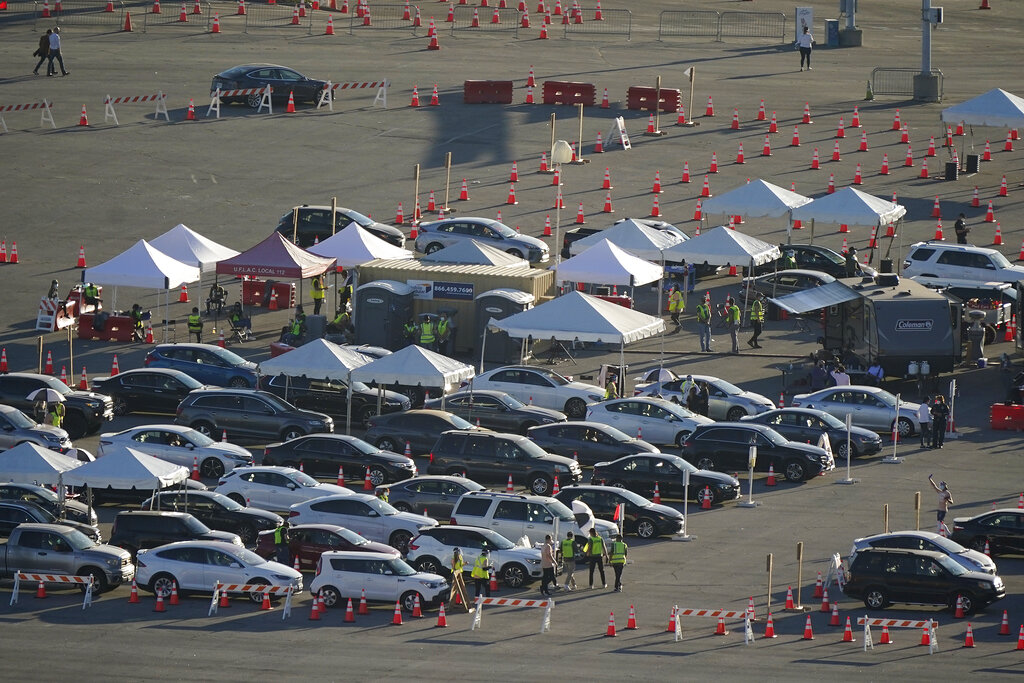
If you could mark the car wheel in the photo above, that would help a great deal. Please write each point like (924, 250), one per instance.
(120, 406)
(735, 413)
(388, 444)
(645, 528)
(876, 598)
(256, 596)
(905, 427)
(400, 541)
(290, 433)
(204, 428)
(212, 468)
(618, 484)
(705, 463)
(967, 602)
(706, 492)
(526, 426)
(99, 580)
(239, 383)
(432, 247)
(162, 584)
(409, 600)
(681, 438)
(365, 414)
(795, 471)
(513, 575)
(378, 476)
(254, 99)
(842, 451)
(237, 497)
(330, 596)
(576, 407)
(75, 426)
(516, 253)
(979, 544)
(540, 484)
(247, 532)
(431, 565)
(402, 506)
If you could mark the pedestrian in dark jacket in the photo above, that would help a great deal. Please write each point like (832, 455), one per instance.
(940, 415)
(43, 50)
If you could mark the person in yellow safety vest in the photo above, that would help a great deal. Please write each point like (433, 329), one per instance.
(617, 558)
(91, 295)
(384, 493)
(568, 550)
(409, 331)
(195, 325)
(317, 292)
(684, 388)
(596, 554)
(282, 544)
(341, 323)
(444, 334)
(611, 388)
(458, 579)
(676, 304)
(137, 328)
(788, 261)
(756, 319)
(733, 319)
(427, 334)
(481, 574)
(704, 325)
(57, 412)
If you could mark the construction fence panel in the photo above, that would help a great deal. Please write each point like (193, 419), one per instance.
(258, 15)
(752, 25)
(688, 24)
(170, 15)
(898, 81)
(385, 17)
(508, 20)
(615, 22)
(80, 13)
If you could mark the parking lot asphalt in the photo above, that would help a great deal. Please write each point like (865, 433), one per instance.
(106, 186)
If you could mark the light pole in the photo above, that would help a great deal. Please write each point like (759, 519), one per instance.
(561, 153)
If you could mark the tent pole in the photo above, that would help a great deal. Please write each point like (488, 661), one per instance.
(348, 406)
(812, 231)
(661, 288)
(483, 349)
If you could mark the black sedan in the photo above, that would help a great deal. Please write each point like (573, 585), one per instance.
(320, 455)
(431, 495)
(641, 516)
(588, 442)
(640, 473)
(1002, 530)
(726, 446)
(314, 223)
(281, 79)
(496, 410)
(807, 425)
(217, 512)
(788, 281)
(815, 257)
(418, 428)
(146, 390)
(330, 396)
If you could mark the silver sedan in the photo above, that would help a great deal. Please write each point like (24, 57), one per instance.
(726, 401)
(868, 407)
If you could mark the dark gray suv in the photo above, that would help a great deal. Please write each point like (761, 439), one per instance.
(248, 414)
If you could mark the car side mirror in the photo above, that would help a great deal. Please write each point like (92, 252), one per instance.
(549, 519)
(235, 565)
(387, 572)
(292, 485)
(373, 513)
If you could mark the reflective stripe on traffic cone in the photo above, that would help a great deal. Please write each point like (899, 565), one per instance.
(396, 620)
(631, 623)
(610, 633)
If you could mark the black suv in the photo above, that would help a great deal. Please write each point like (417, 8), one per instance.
(640, 517)
(218, 512)
(314, 223)
(86, 411)
(726, 446)
(137, 529)
(330, 396)
(491, 457)
(320, 455)
(248, 414)
(882, 576)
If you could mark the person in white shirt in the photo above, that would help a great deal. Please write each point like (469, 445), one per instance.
(805, 41)
(55, 54)
(840, 377)
(876, 373)
(924, 416)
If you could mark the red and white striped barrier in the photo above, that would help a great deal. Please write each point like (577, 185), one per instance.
(159, 98)
(545, 624)
(327, 96)
(52, 317)
(46, 115)
(249, 588)
(894, 623)
(264, 99)
(725, 614)
(929, 627)
(67, 579)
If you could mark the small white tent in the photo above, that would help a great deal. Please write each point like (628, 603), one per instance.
(607, 264)
(852, 207)
(28, 463)
(632, 236)
(189, 247)
(319, 359)
(126, 468)
(355, 246)
(721, 246)
(142, 265)
(756, 199)
(994, 109)
(414, 366)
(579, 317)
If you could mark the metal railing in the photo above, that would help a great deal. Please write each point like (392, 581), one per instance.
(170, 15)
(509, 20)
(79, 13)
(615, 22)
(720, 25)
(259, 15)
(387, 17)
(898, 81)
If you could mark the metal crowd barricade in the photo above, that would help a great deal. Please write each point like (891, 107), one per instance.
(327, 97)
(509, 20)
(615, 22)
(263, 92)
(159, 98)
(81, 13)
(898, 81)
(720, 25)
(385, 18)
(170, 15)
(223, 589)
(65, 579)
(280, 16)
(688, 24)
(545, 624)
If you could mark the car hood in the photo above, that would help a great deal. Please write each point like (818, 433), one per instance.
(225, 536)
(264, 515)
(719, 477)
(392, 457)
(308, 414)
(542, 413)
(49, 432)
(816, 451)
(859, 432)
(278, 568)
(106, 551)
(981, 559)
(417, 520)
(229, 448)
(519, 551)
(979, 576)
(664, 510)
(425, 576)
(86, 396)
(329, 490)
(584, 387)
(756, 398)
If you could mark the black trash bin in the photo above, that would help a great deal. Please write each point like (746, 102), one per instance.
(952, 172)
(973, 163)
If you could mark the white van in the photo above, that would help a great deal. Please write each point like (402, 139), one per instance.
(384, 577)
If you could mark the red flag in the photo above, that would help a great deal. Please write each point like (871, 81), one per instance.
(618, 513)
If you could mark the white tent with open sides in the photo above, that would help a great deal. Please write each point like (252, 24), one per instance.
(144, 266)
(319, 359)
(606, 264)
(756, 199)
(721, 246)
(355, 245)
(188, 246)
(414, 366)
(994, 109)
(126, 468)
(634, 237)
(472, 252)
(28, 463)
(852, 207)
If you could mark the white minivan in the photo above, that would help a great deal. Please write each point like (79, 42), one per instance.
(346, 574)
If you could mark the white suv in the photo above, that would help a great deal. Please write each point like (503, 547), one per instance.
(431, 551)
(515, 515)
(541, 387)
(959, 262)
(345, 574)
(367, 515)
(273, 488)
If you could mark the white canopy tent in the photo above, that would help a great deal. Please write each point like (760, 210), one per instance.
(721, 246)
(188, 246)
(471, 252)
(28, 463)
(994, 109)
(606, 264)
(633, 237)
(355, 246)
(852, 207)
(126, 468)
(756, 199)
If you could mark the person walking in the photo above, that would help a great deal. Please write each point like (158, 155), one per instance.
(756, 319)
(945, 500)
(733, 320)
(805, 41)
(57, 413)
(567, 549)
(675, 304)
(940, 416)
(55, 53)
(481, 574)
(195, 325)
(547, 565)
(43, 50)
(596, 553)
(617, 558)
(704, 325)
(961, 229)
(611, 388)
(924, 416)
(317, 292)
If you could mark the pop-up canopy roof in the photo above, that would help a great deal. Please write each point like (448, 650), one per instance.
(275, 257)
(142, 265)
(188, 246)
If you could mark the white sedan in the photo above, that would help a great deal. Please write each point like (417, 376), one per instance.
(654, 420)
(179, 445)
(199, 565)
(273, 488)
(367, 515)
(541, 387)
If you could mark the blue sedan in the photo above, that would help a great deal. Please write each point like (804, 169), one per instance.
(205, 363)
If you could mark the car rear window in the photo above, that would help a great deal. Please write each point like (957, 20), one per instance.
(868, 563)
(922, 254)
(473, 507)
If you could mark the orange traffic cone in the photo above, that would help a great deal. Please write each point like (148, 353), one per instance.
(720, 627)
(610, 633)
(367, 484)
(159, 603)
(195, 468)
(657, 181)
(848, 633)
(81, 249)
(363, 608)
(818, 588)
(655, 209)
(714, 163)
(766, 150)
(493, 584)
(808, 632)
(84, 120)
(710, 110)
(815, 160)
(512, 195)
(133, 598)
(183, 295)
(174, 594)
(769, 629)
(706, 190)
(739, 155)
(48, 368)
(1004, 628)
(291, 102)
(671, 621)
(442, 619)
(509, 487)
(958, 613)
(417, 612)
(41, 590)
(216, 23)
(969, 639)
(657, 494)
(926, 635)
(396, 620)
(990, 214)
(113, 367)
(807, 113)
(834, 621)
(631, 623)
(706, 503)
(314, 612)
(773, 126)
(886, 639)
(835, 152)
(796, 137)
(789, 599)
(771, 476)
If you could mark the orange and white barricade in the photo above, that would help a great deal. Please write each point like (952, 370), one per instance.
(52, 316)
(327, 96)
(264, 93)
(248, 588)
(160, 99)
(545, 624)
(64, 579)
(45, 117)
(930, 625)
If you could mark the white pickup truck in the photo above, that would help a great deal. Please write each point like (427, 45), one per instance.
(60, 549)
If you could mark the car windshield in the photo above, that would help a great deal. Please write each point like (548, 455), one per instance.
(531, 449)
(197, 438)
(19, 419)
(554, 377)
(228, 503)
(633, 498)
(360, 218)
(303, 479)
(559, 509)
(1000, 260)
(616, 434)
(381, 507)
(730, 389)
(362, 446)
(831, 420)
(352, 537)
(951, 565)
(359, 386)
(680, 463)
(275, 401)
(77, 540)
(832, 256)
(676, 409)
(460, 423)
(399, 567)
(503, 230)
(230, 357)
(773, 436)
(56, 385)
(947, 545)
(885, 397)
(195, 526)
(46, 494)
